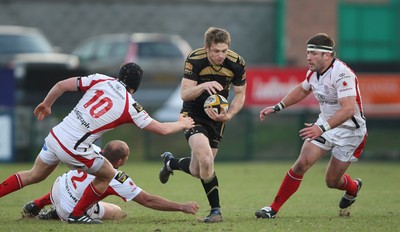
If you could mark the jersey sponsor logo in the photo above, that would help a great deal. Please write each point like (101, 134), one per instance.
(67, 188)
(346, 89)
(340, 79)
(81, 119)
(188, 68)
(137, 107)
(121, 177)
(328, 102)
(322, 100)
(116, 89)
(188, 72)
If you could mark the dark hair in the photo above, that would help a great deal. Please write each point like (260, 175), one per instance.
(322, 39)
(216, 35)
(131, 75)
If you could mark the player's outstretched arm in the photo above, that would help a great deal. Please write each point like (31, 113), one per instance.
(266, 111)
(293, 97)
(44, 108)
(165, 128)
(158, 203)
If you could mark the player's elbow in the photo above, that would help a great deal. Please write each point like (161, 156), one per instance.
(186, 97)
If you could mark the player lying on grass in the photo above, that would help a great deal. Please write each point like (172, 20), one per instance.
(68, 189)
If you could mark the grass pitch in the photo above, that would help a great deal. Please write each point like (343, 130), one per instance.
(244, 188)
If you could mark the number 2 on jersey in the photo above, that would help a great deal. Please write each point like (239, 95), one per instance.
(103, 104)
(78, 178)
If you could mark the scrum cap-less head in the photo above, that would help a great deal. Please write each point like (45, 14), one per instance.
(321, 42)
(319, 48)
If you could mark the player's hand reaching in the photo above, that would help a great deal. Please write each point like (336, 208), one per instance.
(41, 111)
(264, 112)
(271, 109)
(190, 207)
(186, 121)
(212, 87)
(310, 132)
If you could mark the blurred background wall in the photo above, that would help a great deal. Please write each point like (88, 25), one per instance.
(269, 34)
(67, 23)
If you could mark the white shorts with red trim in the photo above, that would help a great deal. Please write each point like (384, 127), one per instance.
(346, 144)
(83, 159)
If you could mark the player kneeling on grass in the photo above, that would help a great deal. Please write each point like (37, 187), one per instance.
(340, 128)
(68, 189)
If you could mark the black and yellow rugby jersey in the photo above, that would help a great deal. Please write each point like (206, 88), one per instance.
(198, 68)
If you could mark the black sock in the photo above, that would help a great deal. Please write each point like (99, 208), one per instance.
(180, 164)
(211, 188)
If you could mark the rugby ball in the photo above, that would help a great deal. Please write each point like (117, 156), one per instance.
(217, 102)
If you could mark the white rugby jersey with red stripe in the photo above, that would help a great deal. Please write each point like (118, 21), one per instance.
(105, 105)
(336, 82)
(73, 183)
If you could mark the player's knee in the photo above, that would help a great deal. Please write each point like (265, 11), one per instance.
(331, 183)
(207, 172)
(301, 167)
(207, 177)
(105, 173)
(195, 173)
(119, 214)
(114, 212)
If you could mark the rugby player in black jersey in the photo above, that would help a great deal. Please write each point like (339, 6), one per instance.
(211, 69)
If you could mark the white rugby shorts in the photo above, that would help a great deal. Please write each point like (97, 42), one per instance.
(87, 160)
(346, 144)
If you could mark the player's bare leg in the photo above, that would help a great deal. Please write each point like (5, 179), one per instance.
(203, 161)
(38, 173)
(337, 178)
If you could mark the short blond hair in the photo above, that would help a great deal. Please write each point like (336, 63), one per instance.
(216, 35)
